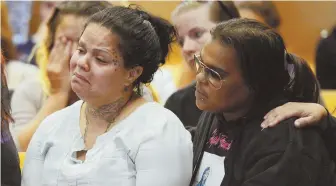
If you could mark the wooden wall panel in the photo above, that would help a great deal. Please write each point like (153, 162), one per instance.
(302, 22)
(162, 9)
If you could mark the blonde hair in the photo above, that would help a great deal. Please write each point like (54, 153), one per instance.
(185, 7)
(219, 10)
(42, 56)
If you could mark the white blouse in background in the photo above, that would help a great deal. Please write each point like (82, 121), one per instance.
(148, 148)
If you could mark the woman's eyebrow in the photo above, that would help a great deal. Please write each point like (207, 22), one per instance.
(217, 69)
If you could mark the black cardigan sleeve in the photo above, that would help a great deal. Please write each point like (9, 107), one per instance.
(10, 169)
(302, 159)
(329, 135)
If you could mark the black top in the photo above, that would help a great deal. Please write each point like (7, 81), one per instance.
(216, 148)
(183, 104)
(10, 169)
(248, 156)
(329, 135)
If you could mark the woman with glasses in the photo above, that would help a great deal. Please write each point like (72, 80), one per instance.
(243, 73)
(213, 74)
(193, 22)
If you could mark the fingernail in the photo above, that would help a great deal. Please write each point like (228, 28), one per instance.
(271, 124)
(297, 124)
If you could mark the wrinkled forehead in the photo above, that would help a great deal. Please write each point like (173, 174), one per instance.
(98, 38)
(97, 35)
(215, 54)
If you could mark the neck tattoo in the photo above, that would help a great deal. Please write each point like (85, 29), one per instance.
(108, 112)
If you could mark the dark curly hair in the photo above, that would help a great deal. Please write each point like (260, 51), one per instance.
(144, 39)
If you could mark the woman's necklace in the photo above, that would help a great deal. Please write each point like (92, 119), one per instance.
(109, 124)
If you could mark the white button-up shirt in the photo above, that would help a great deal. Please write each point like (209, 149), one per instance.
(148, 148)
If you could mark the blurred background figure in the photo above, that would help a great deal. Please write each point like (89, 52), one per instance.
(16, 70)
(326, 59)
(263, 11)
(25, 19)
(45, 10)
(19, 17)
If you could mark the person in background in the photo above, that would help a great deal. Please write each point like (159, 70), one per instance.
(193, 21)
(263, 11)
(37, 98)
(16, 71)
(7, 46)
(19, 17)
(10, 169)
(236, 98)
(113, 136)
(326, 60)
(45, 11)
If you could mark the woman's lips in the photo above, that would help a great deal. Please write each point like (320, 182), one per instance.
(200, 95)
(81, 77)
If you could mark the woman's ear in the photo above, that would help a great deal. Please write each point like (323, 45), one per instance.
(133, 74)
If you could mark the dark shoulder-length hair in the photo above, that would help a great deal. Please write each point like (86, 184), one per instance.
(267, 68)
